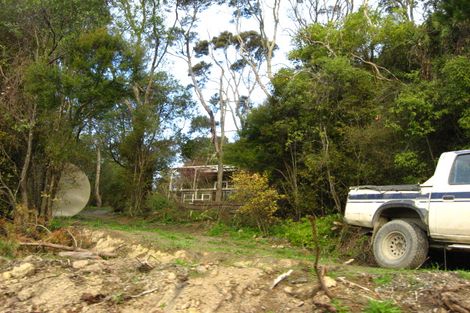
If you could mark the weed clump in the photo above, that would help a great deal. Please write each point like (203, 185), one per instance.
(336, 239)
(381, 307)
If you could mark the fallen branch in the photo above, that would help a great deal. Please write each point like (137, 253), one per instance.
(40, 226)
(80, 255)
(347, 282)
(67, 248)
(145, 292)
(75, 244)
(281, 278)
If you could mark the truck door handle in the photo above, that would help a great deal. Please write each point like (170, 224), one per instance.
(449, 197)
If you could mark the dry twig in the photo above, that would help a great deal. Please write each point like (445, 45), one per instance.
(145, 292)
(75, 244)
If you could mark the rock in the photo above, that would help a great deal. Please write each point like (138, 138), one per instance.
(79, 255)
(93, 268)
(25, 294)
(108, 244)
(181, 254)
(22, 270)
(300, 280)
(32, 258)
(80, 264)
(6, 275)
(298, 303)
(321, 300)
(289, 290)
(305, 292)
(329, 282)
(171, 276)
(201, 269)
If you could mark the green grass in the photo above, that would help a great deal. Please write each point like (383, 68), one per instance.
(7, 248)
(463, 274)
(383, 279)
(244, 242)
(381, 307)
(244, 233)
(340, 308)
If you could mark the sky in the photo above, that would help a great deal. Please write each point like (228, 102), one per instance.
(217, 19)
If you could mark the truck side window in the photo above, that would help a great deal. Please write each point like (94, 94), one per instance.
(460, 173)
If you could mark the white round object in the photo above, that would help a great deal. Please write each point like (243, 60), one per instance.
(73, 192)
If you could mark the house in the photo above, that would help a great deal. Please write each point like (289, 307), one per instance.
(195, 184)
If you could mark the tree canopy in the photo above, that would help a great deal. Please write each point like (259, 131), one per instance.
(372, 95)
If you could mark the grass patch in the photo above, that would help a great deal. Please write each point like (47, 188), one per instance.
(381, 307)
(244, 233)
(340, 308)
(8, 248)
(463, 274)
(383, 279)
(299, 233)
(246, 242)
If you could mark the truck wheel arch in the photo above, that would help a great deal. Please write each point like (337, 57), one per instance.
(400, 210)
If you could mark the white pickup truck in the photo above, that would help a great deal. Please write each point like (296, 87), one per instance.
(407, 219)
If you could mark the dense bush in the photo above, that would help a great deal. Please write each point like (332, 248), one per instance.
(157, 201)
(258, 200)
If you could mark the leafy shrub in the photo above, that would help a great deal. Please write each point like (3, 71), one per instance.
(381, 307)
(157, 201)
(258, 200)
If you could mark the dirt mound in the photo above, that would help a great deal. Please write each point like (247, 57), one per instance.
(144, 279)
(172, 282)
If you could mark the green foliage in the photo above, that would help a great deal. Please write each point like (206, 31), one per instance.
(374, 99)
(383, 279)
(408, 162)
(340, 308)
(158, 201)
(220, 229)
(113, 186)
(300, 233)
(7, 248)
(464, 274)
(381, 307)
(257, 199)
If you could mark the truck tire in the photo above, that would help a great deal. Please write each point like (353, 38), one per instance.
(399, 244)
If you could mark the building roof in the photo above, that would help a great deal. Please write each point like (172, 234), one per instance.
(206, 168)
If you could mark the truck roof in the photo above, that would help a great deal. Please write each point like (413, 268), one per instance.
(460, 152)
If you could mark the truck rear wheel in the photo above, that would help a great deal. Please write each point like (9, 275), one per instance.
(399, 244)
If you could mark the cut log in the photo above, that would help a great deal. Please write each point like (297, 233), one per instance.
(79, 255)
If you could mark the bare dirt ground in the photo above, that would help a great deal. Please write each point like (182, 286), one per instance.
(148, 277)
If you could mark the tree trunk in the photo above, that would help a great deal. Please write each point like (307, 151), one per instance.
(24, 170)
(220, 176)
(326, 159)
(97, 177)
